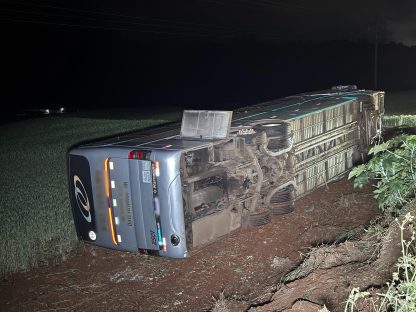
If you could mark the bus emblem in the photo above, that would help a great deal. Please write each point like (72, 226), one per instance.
(82, 199)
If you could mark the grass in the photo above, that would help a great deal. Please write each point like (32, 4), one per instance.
(392, 121)
(34, 202)
(400, 107)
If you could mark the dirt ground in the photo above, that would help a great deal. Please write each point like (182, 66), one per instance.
(245, 266)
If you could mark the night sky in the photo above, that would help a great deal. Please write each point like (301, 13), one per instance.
(201, 53)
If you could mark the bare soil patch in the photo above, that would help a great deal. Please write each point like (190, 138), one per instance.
(329, 273)
(244, 267)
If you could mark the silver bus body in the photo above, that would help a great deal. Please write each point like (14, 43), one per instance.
(168, 190)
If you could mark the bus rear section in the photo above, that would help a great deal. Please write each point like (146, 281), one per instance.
(128, 199)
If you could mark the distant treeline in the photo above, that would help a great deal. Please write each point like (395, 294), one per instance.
(112, 70)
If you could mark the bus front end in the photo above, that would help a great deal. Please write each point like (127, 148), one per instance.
(129, 200)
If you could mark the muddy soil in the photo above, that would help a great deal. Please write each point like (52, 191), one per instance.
(245, 266)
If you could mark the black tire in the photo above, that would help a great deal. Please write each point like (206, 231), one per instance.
(258, 218)
(283, 208)
(278, 134)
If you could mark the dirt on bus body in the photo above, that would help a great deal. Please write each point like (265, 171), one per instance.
(245, 267)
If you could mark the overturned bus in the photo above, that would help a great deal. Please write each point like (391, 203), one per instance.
(166, 190)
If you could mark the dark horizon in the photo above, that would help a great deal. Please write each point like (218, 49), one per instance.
(204, 54)
(105, 73)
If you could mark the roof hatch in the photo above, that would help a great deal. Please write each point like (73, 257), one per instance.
(206, 125)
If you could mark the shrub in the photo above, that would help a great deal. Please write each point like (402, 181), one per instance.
(393, 168)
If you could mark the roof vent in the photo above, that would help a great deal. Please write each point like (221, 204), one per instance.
(206, 125)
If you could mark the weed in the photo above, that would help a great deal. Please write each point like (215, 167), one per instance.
(371, 243)
(220, 304)
(400, 295)
(354, 295)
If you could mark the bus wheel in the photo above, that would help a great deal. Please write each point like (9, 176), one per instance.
(283, 208)
(257, 218)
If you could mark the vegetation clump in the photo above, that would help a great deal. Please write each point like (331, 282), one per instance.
(393, 168)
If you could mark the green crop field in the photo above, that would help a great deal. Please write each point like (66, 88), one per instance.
(34, 203)
(391, 121)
